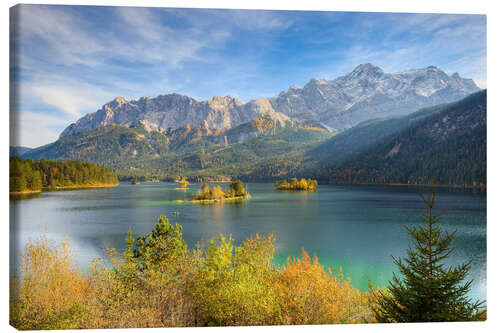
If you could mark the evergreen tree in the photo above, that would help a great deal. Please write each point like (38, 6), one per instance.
(36, 183)
(427, 291)
(238, 188)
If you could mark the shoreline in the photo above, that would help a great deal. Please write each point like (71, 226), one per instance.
(25, 192)
(84, 186)
(59, 188)
(292, 190)
(411, 185)
(219, 200)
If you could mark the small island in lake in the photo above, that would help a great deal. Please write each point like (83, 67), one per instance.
(309, 185)
(183, 184)
(215, 194)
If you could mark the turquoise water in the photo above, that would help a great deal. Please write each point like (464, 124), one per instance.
(357, 228)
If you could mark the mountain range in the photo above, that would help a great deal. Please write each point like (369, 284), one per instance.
(324, 130)
(365, 93)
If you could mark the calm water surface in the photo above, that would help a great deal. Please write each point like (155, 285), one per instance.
(357, 228)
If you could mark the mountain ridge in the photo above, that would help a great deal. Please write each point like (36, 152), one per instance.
(365, 93)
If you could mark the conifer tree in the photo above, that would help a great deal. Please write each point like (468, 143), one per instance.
(426, 290)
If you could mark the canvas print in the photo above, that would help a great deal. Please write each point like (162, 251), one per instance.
(222, 167)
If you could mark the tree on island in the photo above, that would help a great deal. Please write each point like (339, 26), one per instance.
(427, 291)
(237, 189)
(204, 192)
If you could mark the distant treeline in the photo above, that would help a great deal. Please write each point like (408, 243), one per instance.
(28, 175)
(144, 176)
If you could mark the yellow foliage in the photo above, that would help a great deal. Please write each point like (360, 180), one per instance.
(310, 295)
(236, 190)
(235, 285)
(296, 185)
(159, 282)
(183, 182)
(50, 293)
(217, 193)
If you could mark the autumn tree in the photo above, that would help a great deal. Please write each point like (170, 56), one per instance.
(303, 183)
(203, 193)
(183, 182)
(217, 193)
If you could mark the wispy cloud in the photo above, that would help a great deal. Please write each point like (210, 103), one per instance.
(57, 36)
(143, 22)
(260, 20)
(33, 129)
(73, 98)
(53, 35)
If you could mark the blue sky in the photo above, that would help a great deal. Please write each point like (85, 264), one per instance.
(67, 61)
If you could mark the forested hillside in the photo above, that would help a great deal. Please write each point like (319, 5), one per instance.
(238, 160)
(447, 147)
(28, 175)
(200, 152)
(358, 138)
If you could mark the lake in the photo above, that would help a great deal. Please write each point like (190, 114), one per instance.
(357, 228)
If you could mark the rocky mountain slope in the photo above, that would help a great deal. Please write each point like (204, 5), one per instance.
(170, 112)
(365, 93)
(368, 92)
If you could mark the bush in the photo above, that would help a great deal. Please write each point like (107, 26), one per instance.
(236, 285)
(51, 292)
(310, 295)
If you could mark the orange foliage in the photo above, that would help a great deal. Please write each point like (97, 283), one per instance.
(311, 295)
